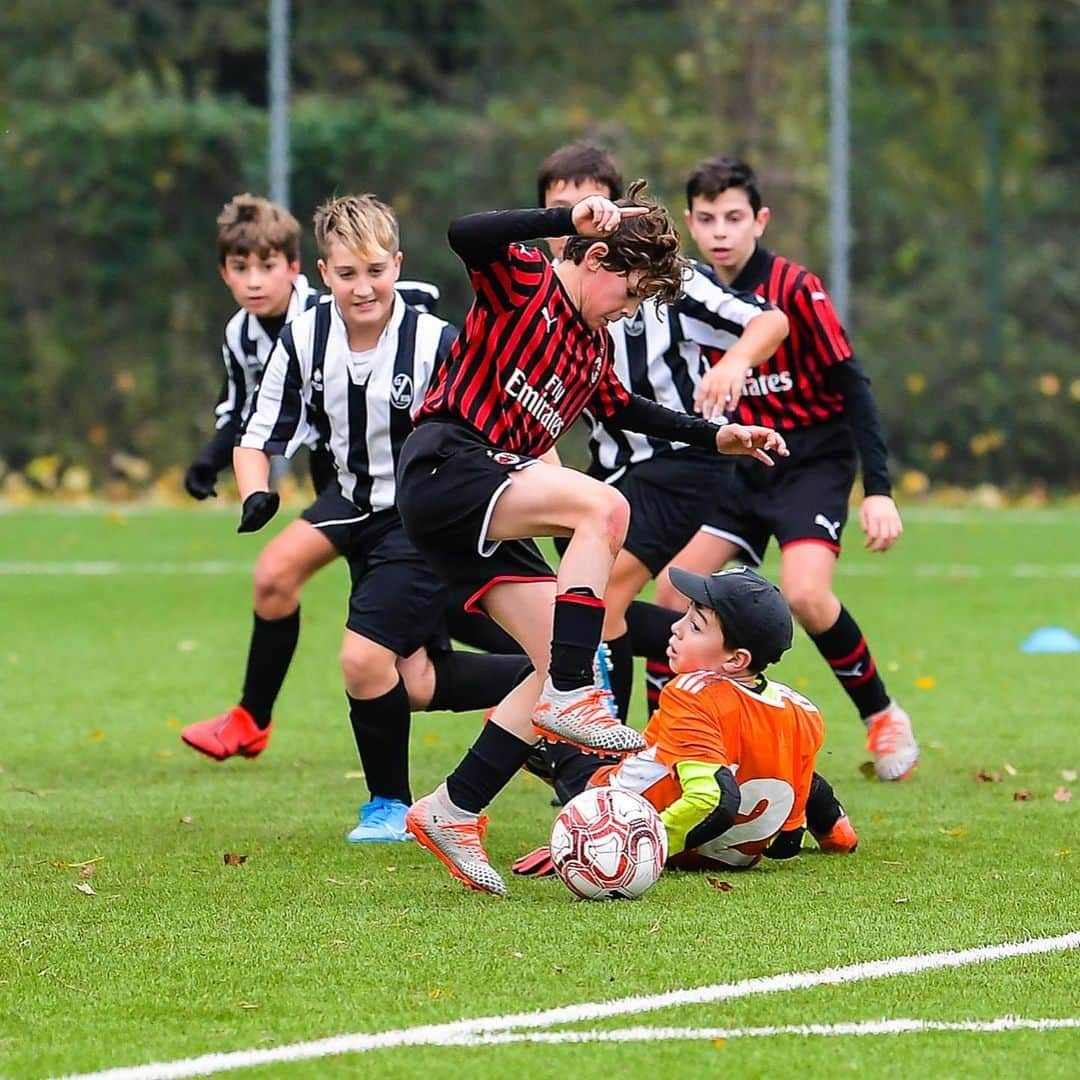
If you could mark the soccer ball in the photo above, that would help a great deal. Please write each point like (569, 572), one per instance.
(608, 844)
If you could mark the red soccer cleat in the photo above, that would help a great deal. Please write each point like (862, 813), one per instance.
(890, 739)
(841, 839)
(225, 736)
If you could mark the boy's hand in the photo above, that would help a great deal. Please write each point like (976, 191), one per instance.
(597, 216)
(199, 480)
(259, 508)
(880, 520)
(749, 440)
(720, 388)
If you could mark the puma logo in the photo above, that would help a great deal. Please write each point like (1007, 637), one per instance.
(550, 319)
(852, 672)
(831, 527)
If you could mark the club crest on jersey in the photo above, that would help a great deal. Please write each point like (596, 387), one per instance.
(501, 457)
(401, 391)
(597, 367)
(316, 380)
(549, 319)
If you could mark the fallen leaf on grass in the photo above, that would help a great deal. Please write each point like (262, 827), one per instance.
(984, 777)
(955, 832)
(165, 753)
(354, 775)
(1009, 769)
(719, 1044)
(1062, 794)
(87, 871)
(1068, 774)
(558, 970)
(187, 819)
(1023, 795)
(901, 900)
(232, 859)
(926, 682)
(85, 887)
(248, 1005)
(867, 769)
(430, 740)
(391, 869)
(96, 735)
(439, 992)
(1065, 852)
(174, 724)
(723, 886)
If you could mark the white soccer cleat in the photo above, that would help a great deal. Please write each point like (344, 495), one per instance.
(454, 837)
(582, 717)
(890, 739)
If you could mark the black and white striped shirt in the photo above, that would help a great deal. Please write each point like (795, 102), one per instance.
(658, 355)
(246, 350)
(359, 405)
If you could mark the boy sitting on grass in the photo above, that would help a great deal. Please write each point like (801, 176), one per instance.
(729, 757)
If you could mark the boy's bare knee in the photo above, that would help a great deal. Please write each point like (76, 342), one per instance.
(614, 511)
(813, 605)
(276, 585)
(369, 670)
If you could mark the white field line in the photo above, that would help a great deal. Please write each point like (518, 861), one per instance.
(857, 1027)
(449, 1034)
(214, 568)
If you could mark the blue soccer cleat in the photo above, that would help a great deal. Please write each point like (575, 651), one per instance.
(601, 667)
(382, 821)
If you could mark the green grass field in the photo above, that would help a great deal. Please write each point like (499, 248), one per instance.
(119, 627)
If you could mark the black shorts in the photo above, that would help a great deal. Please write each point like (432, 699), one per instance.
(803, 498)
(669, 496)
(449, 478)
(396, 600)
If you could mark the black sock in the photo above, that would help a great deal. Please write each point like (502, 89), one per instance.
(273, 642)
(622, 674)
(571, 768)
(823, 810)
(650, 627)
(486, 769)
(579, 620)
(846, 652)
(658, 674)
(381, 730)
(468, 680)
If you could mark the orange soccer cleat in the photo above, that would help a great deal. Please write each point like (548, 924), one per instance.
(225, 736)
(454, 837)
(890, 739)
(841, 839)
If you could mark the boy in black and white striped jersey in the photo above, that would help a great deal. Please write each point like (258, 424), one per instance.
(348, 372)
(258, 245)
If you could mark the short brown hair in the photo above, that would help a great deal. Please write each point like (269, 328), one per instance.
(576, 163)
(251, 224)
(648, 243)
(361, 222)
(715, 175)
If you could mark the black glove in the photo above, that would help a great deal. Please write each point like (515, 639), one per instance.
(200, 479)
(259, 508)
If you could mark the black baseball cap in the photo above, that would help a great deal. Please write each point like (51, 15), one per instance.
(752, 609)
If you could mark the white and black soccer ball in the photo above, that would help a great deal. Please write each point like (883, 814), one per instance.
(608, 844)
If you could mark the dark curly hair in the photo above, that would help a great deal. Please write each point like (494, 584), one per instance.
(648, 243)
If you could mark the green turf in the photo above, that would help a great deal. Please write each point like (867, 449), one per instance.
(178, 954)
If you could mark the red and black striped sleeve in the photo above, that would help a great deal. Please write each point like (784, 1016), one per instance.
(808, 302)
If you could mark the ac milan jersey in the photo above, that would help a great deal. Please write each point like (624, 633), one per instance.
(790, 389)
(525, 365)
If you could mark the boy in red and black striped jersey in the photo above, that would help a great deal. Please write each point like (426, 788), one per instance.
(813, 390)
(474, 488)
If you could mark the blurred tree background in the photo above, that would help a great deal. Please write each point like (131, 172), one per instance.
(126, 124)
